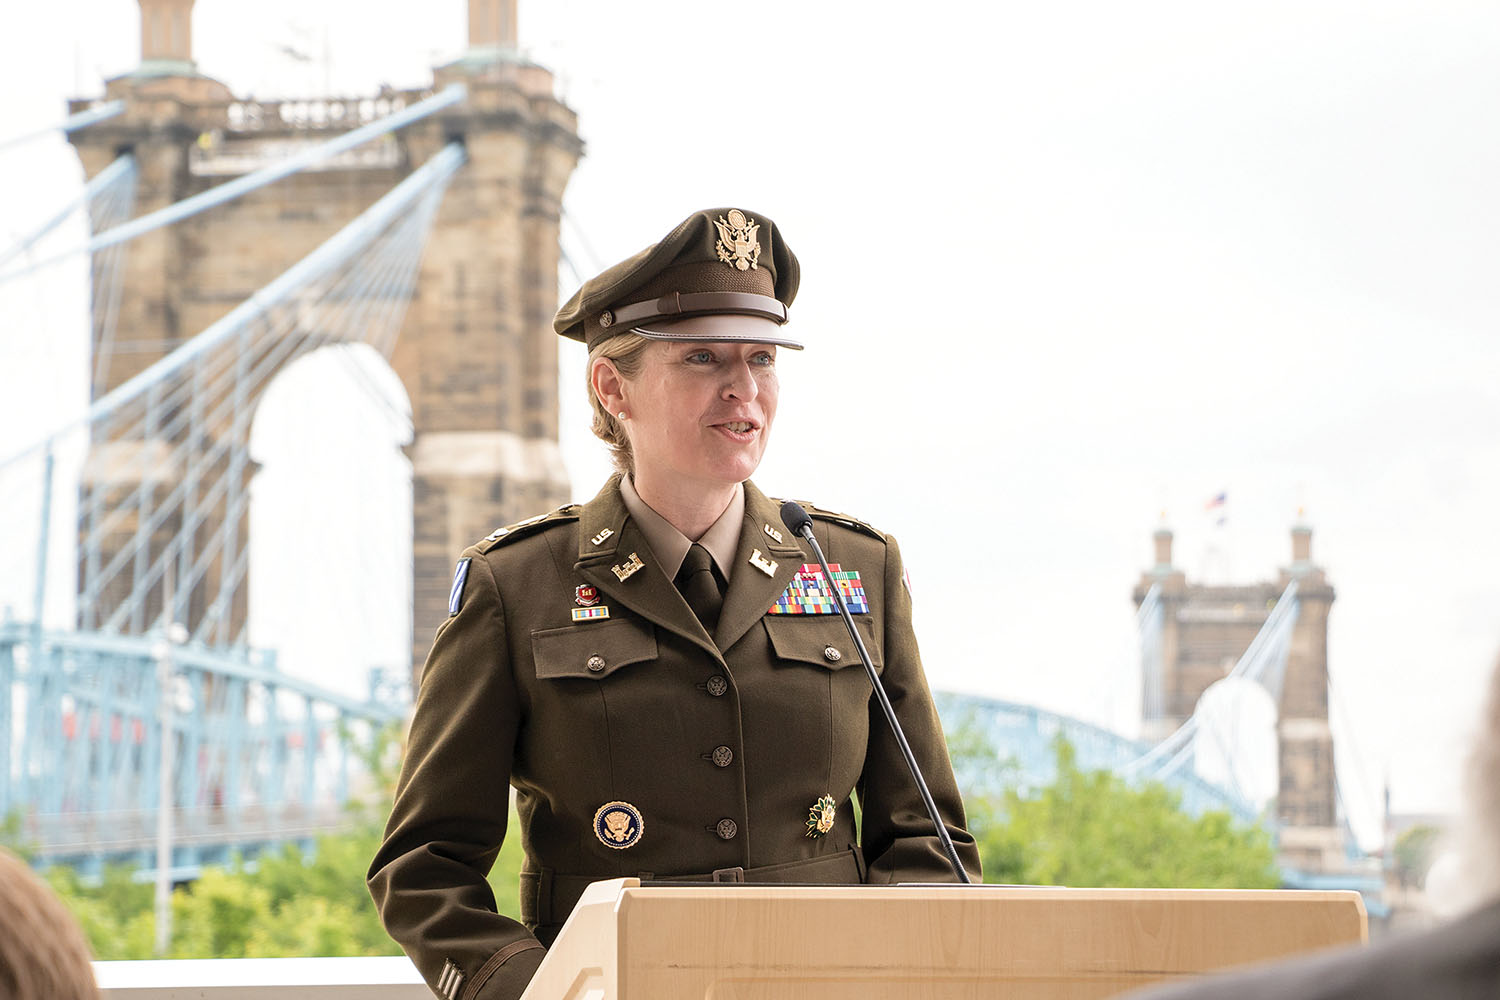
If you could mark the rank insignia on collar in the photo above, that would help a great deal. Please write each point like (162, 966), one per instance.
(591, 614)
(586, 594)
(809, 594)
(760, 562)
(738, 245)
(619, 825)
(630, 567)
(773, 534)
(820, 816)
(456, 593)
(599, 538)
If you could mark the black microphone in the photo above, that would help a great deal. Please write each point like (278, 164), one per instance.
(797, 521)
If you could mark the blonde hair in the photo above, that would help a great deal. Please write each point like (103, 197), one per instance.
(43, 953)
(627, 352)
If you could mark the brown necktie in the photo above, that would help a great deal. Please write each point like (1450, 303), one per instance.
(699, 585)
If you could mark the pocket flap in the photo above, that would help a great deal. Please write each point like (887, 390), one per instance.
(594, 650)
(808, 639)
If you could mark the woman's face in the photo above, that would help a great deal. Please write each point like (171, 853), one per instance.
(700, 412)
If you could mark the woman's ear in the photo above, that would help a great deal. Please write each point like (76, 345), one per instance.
(608, 385)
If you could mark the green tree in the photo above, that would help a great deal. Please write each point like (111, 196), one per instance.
(1413, 851)
(284, 904)
(1092, 828)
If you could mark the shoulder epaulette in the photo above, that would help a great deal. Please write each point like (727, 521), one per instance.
(846, 520)
(509, 533)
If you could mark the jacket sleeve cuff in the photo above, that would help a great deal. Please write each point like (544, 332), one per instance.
(507, 973)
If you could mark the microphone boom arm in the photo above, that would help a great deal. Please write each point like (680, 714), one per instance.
(798, 521)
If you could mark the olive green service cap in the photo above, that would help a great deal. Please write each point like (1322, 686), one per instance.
(722, 274)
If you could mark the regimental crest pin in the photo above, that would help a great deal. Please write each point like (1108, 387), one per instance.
(586, 594)
(738, 245)
(630, 567)
(619, 825)
(820, 816)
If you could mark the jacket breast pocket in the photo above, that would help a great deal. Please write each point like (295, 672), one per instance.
(822, 640)
(592, 651)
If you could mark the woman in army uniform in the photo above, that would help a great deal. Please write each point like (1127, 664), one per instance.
(659, 672)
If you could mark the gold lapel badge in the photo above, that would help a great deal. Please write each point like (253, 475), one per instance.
(760, 562)
(820, 816)
(599, 538)
(738, 245)
(630, 567)
(773, 534)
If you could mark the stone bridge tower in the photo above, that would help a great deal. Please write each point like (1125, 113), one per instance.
(476, 353)
(1205, 629)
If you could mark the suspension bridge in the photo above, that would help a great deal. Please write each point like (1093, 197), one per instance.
(132, 689)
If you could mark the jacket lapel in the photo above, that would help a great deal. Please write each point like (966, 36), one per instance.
(607, 539)
(752, 590)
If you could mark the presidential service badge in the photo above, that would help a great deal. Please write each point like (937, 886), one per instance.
(820, 816)
(618, 825)
(738, 245)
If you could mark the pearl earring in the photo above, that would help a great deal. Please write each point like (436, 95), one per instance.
(622, 414)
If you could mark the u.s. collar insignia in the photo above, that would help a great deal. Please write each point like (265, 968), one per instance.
(773, 534)
(619, 825)
(737, 245)
(599, 538)
(630, 567)
(760, 562)
(820, 816)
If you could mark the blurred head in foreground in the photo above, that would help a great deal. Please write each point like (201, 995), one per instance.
(1478, 838)
(43, 954)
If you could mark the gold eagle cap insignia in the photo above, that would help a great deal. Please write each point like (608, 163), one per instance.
(738, 245)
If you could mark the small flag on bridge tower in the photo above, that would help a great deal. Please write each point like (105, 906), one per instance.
(1219, 504)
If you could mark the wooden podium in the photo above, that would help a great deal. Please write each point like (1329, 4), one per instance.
(625, 941)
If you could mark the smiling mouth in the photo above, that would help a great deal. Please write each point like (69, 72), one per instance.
(739, 426)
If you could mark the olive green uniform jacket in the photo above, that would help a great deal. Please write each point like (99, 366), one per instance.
(721, 744)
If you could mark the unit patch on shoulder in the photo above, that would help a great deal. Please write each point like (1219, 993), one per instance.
(492, 541)
(456, 594)
(809, 593)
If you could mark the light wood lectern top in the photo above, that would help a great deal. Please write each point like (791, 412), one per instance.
(625, 941)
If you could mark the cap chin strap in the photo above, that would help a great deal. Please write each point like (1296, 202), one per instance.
(677, 305)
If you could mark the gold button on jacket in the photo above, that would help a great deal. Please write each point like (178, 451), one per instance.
(640, 708)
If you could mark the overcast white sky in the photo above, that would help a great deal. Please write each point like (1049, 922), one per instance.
(1065, 265)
